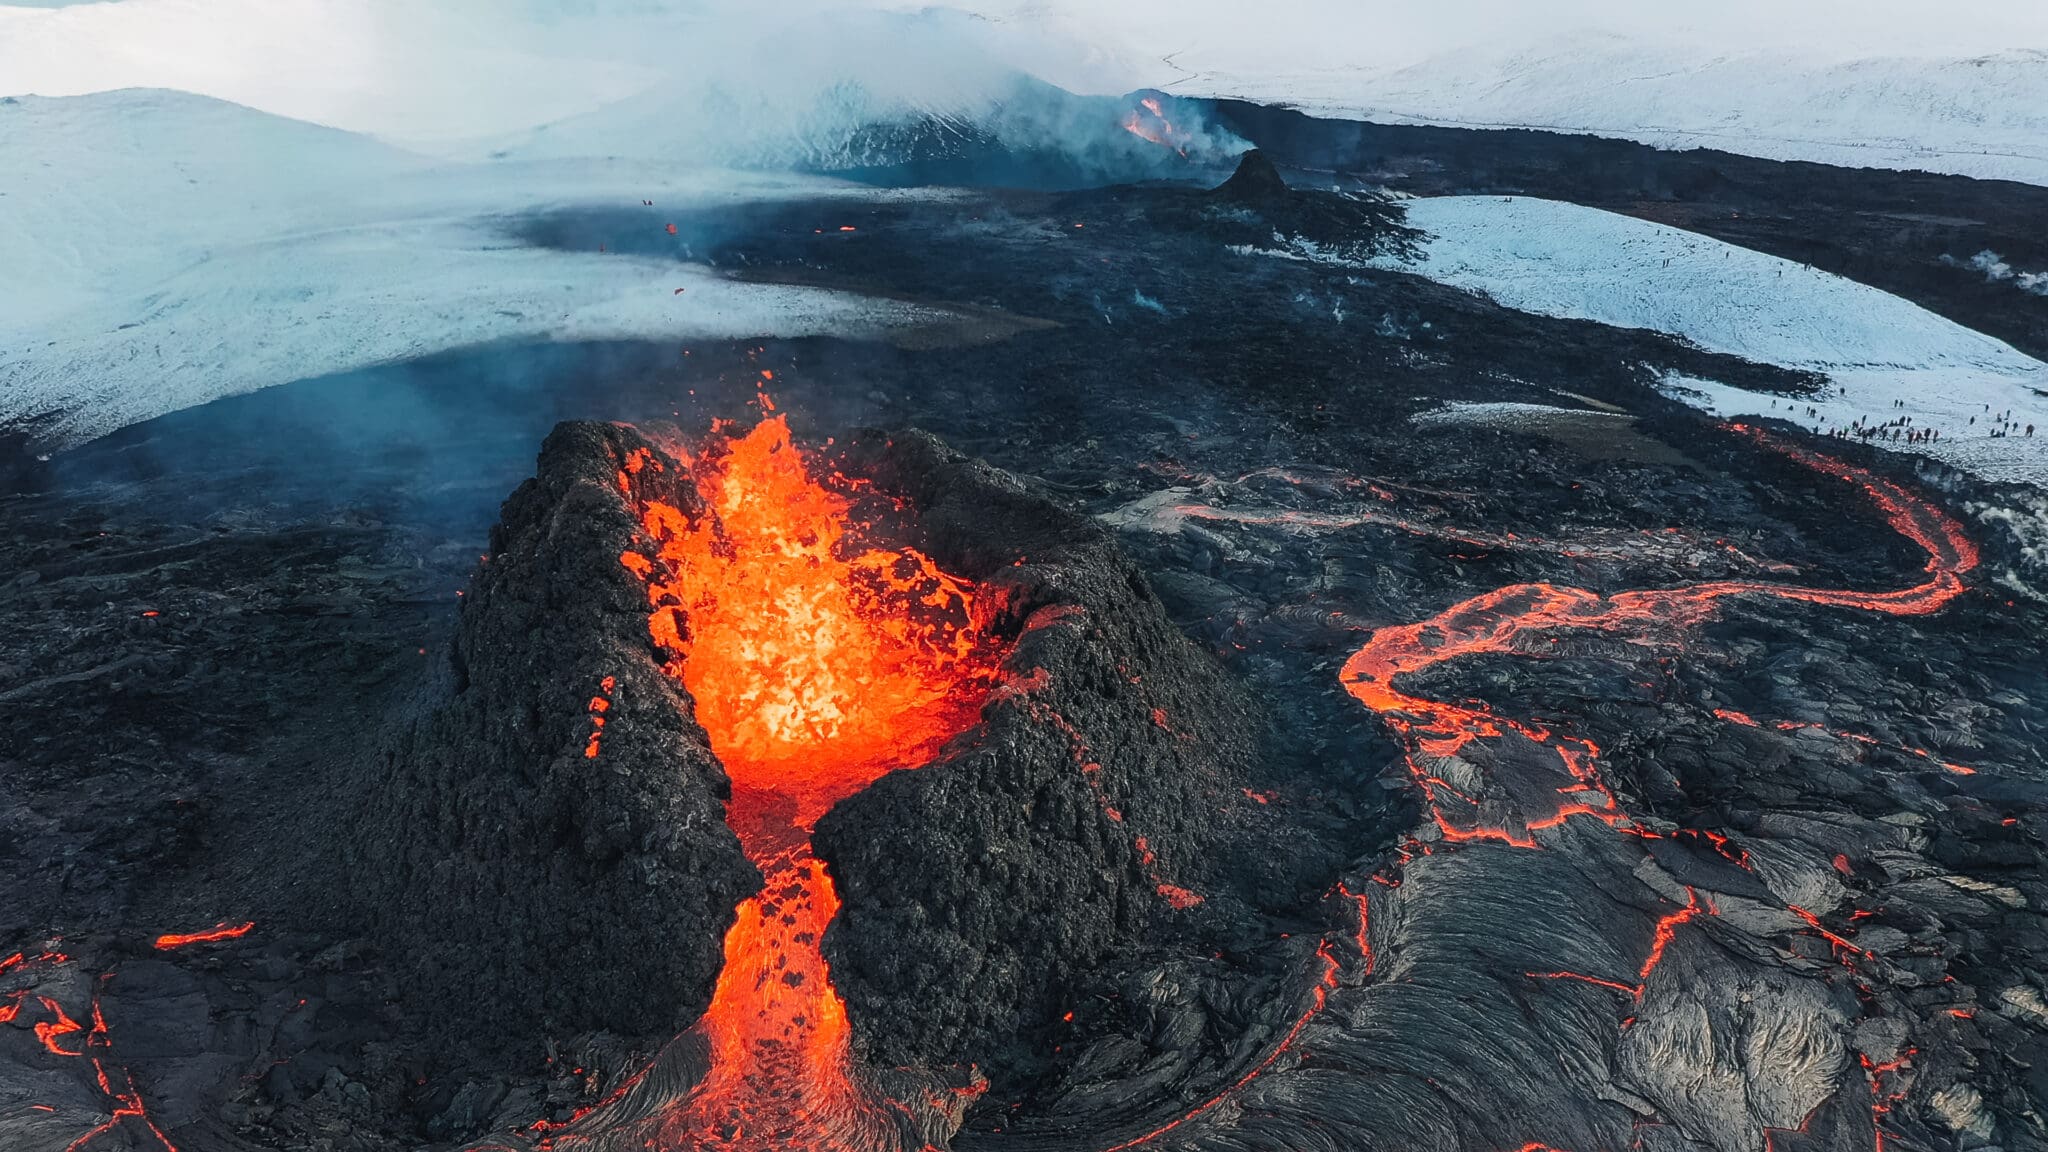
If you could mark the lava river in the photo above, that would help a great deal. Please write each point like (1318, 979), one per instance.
(816, 667)
(1505, 805)
(1523, 619)
(1490, 780)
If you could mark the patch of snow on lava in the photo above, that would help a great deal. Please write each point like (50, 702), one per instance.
(1888, 359)
(1508, 414)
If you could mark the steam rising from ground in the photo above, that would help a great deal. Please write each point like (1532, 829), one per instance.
(1997, 271)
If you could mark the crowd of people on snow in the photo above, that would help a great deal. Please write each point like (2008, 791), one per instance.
(1900, 428)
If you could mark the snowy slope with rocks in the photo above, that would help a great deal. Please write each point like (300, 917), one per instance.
(161, 250)
(1888, 358)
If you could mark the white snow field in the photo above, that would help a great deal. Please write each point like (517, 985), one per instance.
(1959, 88)
(1942, 88)
(1564, 260)
(159, 250)
(1981, 116)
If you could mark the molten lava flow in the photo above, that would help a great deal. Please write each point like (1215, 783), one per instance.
(215, 934)
(816, 667)
(60, 1034)
(1148, 122)
(1524, 620)
(1513, 620)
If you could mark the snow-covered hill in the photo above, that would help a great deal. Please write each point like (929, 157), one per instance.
(1565, 260)
(159, 250)
(1960, 89)
(1855, 90)
(1984, 116)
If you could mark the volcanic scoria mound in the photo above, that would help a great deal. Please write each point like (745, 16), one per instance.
(535, 887)
(985, 891)
(527, 886)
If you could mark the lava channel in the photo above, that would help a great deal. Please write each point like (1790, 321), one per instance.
(1522, 620)
(816, 666)
(1515, 619)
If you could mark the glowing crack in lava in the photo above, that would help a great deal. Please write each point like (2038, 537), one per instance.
(86, 1037)
(816, 667)
(1506, 808)
(1521, 618)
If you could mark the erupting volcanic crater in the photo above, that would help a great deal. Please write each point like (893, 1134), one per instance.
(859, 769)
(858, 762)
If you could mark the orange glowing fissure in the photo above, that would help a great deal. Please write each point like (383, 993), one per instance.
(1512, 620)
(213, 935)
(1148, 122)
(61, 1034)
(1519, 620)
(817, 666)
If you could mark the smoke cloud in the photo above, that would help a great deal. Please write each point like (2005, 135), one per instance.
(1998, 271)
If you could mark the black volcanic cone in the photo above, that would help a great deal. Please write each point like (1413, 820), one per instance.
(531, 888)
(526, 887)
(1256, 181)
(1256, 208)
(982, 893)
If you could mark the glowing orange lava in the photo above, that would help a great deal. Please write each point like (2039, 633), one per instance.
(218, 932)
(814, 671)
(62, 1035)
(1523, 620)
(816, 667)
(1148, 122)
(1512, 620)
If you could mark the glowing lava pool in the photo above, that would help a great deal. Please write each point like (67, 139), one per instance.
(817, 665)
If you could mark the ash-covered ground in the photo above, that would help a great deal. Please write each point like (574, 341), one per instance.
(1758, 874)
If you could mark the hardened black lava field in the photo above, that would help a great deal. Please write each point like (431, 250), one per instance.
(1298, 774)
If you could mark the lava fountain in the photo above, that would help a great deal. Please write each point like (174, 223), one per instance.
(817, 665)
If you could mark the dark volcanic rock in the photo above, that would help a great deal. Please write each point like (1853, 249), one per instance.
(189, 608)
(1255, 182)
(530, 886)
(1256, 207)
(985, 892)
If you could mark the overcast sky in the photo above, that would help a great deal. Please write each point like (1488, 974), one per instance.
(449, 67)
